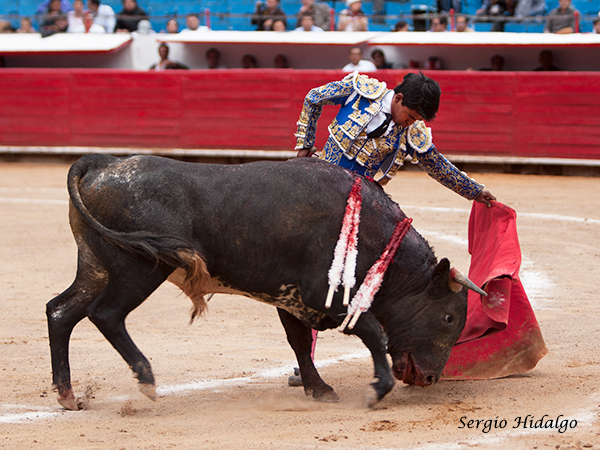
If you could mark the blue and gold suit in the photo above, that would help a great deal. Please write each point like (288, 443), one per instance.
(349, 147)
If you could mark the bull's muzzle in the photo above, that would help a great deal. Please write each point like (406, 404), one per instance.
(408, 372)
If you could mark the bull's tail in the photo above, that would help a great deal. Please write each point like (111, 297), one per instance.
(162, 249)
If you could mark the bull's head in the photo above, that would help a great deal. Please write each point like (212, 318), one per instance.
(422, 333)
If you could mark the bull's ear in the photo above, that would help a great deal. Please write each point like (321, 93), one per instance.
(440, 276)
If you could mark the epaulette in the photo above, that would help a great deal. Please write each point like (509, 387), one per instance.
(419, 136)
(368, 87)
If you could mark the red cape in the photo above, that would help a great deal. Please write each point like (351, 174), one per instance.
(501, 336)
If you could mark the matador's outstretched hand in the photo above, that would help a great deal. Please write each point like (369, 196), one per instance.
(486, 197)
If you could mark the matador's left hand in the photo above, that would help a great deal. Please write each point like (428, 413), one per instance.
(486, 197)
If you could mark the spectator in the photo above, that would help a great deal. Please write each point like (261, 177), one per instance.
(76, 18)
(307, 23)
(192, 22)
(357, 63)
(104, 15)
(54, 21)
(65, 6)
(462, 24)
(379, 60)
(129, 17)
(353, 18)
(249, 61)
(561, 20)
(53, 9)
(596, 29)
(379, 11)
(26, 26)
(446, 5)
(81, 21)
(213, 58)
(54, 24)
(6, 27)
(546, 62)
(172, 27)
(497, 63)
(494, 9)
(144, 27)
(279, 25)
(401, 25)
(165, 63)
(264, 15)
(530, 8)
(320, 12)
(439, 24)
(280, 62)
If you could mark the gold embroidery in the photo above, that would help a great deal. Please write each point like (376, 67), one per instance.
(368, 87)
(420, 137)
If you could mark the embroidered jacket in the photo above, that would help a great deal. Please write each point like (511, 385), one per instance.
(349, 147)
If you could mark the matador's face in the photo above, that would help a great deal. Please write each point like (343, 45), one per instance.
(402, 115)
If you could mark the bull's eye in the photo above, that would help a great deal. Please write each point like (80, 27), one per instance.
(448, 318)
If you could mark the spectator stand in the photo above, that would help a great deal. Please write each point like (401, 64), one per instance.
(458, 51)
(303, 50)
(235, 14)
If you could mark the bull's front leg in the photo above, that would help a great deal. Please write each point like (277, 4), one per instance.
(300, 339)
(369, 330)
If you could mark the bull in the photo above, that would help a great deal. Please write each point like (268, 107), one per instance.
(265, 230)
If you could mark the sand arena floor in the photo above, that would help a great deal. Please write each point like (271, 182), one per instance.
(223, 380)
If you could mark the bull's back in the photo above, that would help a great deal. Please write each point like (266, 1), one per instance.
(247, 221)
(146, 191)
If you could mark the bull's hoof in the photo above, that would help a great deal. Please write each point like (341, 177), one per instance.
(329, 397)
(149, 390)
(371, 397)
(68, 401)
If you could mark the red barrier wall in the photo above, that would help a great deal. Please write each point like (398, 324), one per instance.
(482, 113)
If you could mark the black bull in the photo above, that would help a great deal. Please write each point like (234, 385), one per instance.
(265, 230)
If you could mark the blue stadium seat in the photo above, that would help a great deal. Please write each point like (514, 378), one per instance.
(515, 27)
(482, 26)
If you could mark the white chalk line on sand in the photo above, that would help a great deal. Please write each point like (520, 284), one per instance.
(556, 217)
(279, 372)
(9, 414)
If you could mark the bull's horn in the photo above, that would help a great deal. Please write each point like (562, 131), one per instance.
(457, 277)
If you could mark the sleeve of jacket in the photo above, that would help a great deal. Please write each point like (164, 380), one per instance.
(420, 142)
(334, 93)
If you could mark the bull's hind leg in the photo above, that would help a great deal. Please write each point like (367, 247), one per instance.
(126, 289)
(300, 338)
(63, 313)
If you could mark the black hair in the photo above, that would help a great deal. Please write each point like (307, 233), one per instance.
(94, 2)
(443, 20)
(400, 24)
(421, 94)
(213, 50)
(377, 51)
